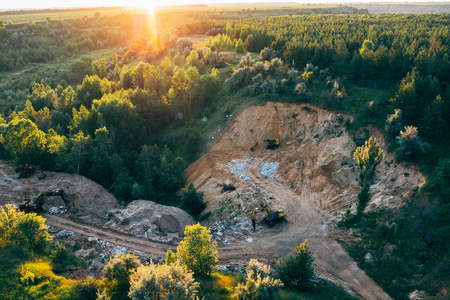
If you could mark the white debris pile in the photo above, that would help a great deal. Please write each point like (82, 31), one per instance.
(103, 244)
(239, 168)
(55, 210)
(236, 167)
(223, 268)
(270, 170)
(245, 177)
(64, 233)
(118, 249)
(226, 232)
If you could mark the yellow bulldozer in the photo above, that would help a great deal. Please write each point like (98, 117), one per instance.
(272, 144)
(274, 216)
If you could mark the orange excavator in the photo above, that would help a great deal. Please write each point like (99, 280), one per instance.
(36, 204)
(272, 144)
(25, 171)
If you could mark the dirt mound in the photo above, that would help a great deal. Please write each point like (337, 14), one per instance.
(154, 221)
(87, 197)
(311, 175)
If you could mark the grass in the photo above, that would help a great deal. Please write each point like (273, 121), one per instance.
(21, 17)
(219, 286)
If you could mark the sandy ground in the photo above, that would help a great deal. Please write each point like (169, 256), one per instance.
(312, 176)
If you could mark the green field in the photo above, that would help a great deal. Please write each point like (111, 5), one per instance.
(20, 17)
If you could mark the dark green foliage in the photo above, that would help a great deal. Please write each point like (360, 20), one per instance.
(410, 145)
(60, 255)
(192, 201)
(296, 270)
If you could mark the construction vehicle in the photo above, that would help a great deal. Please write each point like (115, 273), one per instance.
(272, 144)
(276, 215)
(25, 171)
(36, 204)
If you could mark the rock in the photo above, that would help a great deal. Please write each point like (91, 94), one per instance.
(86, 254)
(154, 221)
(417, 295)
(368, 258)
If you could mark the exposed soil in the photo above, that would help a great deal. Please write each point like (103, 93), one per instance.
(311, 176)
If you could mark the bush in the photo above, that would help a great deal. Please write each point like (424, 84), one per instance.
(197, 252)
(192, 201)
(118, 272)
(296, 270)
(259, 284)
(163, 282)
(410, 145)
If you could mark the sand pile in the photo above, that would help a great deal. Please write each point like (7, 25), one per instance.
(154, 221)
(85, 195)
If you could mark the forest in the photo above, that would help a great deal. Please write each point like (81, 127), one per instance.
(101, 97)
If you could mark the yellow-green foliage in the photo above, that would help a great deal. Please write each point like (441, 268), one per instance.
(197, 252)
(41, 283)
(368, 157)
(163, 282)
(218, 286)
(18, 228)
(259, 284)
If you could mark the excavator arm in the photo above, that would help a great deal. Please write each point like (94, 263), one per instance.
(37, 203)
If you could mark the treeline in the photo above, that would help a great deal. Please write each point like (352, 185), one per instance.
(360, 47)
(47, 41)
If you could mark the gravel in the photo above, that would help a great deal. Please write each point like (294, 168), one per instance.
(236, 167)
(270, 170)
(64, 233)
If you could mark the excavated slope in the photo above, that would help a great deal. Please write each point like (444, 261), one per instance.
(312, 176)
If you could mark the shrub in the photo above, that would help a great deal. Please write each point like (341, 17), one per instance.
(192, 201)
(197, 252)
(410, 145)
(296, 270)
(118, 272)
(163, 282)
(259, 284)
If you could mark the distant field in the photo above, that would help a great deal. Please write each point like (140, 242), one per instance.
(405, 8)
(38, 16)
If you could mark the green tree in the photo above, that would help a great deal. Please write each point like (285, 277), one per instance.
(192, 201)
(60, 255)
(32, 232)
(296, 270)
(154, 282)
(368, 157)
(100, 156)
(99, 67)
(410, 145)
(23, 140)
(118, 271)
(196, 251)
(8, 220)
(394, 123)
(170, 257)
(259, 285)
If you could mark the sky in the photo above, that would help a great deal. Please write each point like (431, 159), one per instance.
(24, 4)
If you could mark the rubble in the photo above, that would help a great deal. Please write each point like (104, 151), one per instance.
(270, 170)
